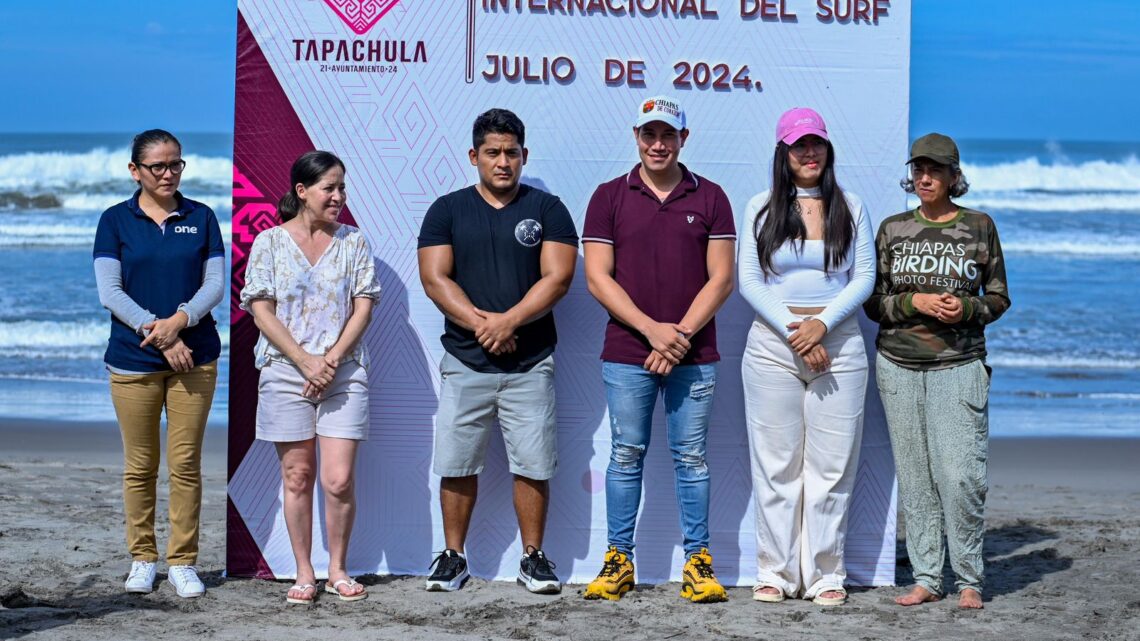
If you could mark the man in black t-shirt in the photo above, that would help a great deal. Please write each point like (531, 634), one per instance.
(495, 258)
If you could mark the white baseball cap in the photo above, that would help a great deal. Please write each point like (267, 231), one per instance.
(663, 109)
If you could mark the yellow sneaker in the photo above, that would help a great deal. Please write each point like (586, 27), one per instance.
(615, 579)
(699, 584)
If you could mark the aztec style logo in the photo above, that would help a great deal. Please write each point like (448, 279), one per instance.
(361, 15)
(528, 232)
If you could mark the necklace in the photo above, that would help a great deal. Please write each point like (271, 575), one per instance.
(810, 192)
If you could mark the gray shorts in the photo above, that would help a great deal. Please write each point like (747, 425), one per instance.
(469, 403)
(283, 415)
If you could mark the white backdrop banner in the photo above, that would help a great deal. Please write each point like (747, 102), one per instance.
(393, 86)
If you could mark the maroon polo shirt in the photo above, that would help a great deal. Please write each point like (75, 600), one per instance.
(660, 255)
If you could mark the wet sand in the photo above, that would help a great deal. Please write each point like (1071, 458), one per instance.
(1062, 546)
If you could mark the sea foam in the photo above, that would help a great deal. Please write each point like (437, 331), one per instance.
(27, 336)
(50, 171)
(1031, 185)
(96, 179)
(63, 234)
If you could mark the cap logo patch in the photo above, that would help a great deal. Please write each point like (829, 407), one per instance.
(648, 106)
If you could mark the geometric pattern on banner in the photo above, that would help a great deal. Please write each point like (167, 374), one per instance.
(250, 218)
(243, 554)
(403, 133)
(259, 180)
(361, 14)
(872, 508)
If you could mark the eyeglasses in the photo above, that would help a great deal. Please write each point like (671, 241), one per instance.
(159, 168)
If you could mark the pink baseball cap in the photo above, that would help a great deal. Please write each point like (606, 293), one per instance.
(799, 122)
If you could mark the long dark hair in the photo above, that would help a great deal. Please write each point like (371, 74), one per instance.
(783, 222)
(307, 170)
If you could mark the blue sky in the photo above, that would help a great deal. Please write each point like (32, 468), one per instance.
(1050, 69)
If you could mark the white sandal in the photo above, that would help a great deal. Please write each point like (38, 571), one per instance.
(830, 600)
(303, 588)
(767, 598)
(334, 588)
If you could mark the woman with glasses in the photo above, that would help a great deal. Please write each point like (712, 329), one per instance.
(806, 264)
(160, 269)
(310, 285)
(941, 281)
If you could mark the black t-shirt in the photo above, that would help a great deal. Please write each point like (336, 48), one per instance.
(497, 255)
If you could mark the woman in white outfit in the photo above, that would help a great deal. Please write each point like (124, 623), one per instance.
(806, 265)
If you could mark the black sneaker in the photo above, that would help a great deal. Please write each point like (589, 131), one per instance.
(536, 573)
(450, 572)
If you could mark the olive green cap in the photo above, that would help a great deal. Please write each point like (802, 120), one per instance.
(937, 147)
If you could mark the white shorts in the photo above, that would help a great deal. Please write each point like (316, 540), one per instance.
(283, 415)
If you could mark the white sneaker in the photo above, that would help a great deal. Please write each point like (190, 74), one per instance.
(185, 580)
(141, 578)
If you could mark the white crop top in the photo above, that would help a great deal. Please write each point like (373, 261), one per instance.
(800, 280)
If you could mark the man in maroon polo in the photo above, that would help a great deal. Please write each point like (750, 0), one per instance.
(659, 244)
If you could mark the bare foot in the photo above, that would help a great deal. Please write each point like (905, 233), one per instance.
(970, 600)
(917, 596)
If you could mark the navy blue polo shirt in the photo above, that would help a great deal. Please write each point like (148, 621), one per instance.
(660, 255)
(161, 270)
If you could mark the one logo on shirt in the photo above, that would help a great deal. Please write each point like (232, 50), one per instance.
(528, 232)
(691, 219)
(185, 229)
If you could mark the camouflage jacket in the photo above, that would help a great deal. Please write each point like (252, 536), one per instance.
(963, 257)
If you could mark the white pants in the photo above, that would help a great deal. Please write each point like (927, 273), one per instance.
(804, 429)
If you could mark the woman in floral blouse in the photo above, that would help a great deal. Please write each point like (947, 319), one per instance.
(310, 285)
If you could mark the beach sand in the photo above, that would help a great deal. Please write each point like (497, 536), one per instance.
(1062, 543)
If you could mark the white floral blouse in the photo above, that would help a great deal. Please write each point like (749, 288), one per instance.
(314, 302)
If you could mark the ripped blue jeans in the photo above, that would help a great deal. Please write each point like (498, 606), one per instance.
(631, 393)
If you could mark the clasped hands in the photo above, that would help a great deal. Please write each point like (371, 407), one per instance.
(319, 372)
(179, 356)
(946, 307)
(162, 333)
(805, 340)
(669, 343)
(495, 331)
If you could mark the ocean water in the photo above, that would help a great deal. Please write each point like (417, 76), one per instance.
(53, 332)
(1066, 356)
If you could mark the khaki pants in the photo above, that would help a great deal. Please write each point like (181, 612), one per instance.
(138, 400)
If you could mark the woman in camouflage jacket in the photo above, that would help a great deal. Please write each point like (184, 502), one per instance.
(940, 281)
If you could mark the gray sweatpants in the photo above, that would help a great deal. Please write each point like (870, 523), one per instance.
(939, 426)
